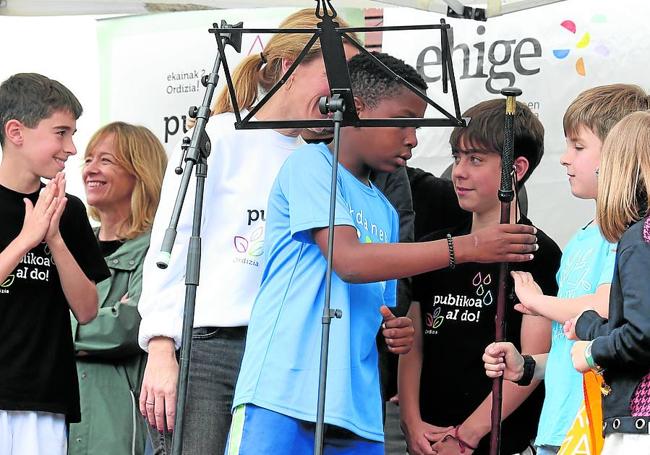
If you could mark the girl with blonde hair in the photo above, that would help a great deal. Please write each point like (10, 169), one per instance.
(242, 167)
(619, 347)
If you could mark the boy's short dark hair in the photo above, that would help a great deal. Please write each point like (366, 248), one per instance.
(372, 83)
(485, 132)
(31, 97)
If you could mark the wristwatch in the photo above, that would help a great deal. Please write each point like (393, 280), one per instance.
(529, 371)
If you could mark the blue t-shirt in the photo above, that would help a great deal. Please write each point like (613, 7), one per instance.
(587, 262)
(280, 369)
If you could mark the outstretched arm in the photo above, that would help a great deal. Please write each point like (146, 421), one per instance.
(628, 344)
(533, 301)
(357, 262)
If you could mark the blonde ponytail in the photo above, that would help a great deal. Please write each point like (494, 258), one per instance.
(245, 79)
(256, 71)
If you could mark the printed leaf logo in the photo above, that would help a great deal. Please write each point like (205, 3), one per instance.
(583, 42)
(437, 318)
(241, 244)
(434, 320)
(257, 249)
(8, 281)
(257, 234)
(253, 245)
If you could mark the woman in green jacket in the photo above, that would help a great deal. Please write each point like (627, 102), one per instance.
(122, 175)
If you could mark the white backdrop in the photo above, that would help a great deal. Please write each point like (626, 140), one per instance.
(65, 49)
(552, 53)
(141, 69)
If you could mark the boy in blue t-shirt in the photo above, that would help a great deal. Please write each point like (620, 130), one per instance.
(276, 395)
(586, 269)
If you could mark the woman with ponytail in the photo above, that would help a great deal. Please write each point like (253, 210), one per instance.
(242, 167)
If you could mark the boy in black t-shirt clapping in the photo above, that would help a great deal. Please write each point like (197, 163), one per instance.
(49, 263)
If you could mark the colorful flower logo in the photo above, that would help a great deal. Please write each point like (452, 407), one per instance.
(583, 42)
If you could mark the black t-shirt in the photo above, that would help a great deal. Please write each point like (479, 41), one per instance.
(37, 365)
(109, 247)
(434, 202)
(458, 308)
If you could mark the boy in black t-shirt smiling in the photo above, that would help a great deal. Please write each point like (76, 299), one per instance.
(49, 263)
(445, 397)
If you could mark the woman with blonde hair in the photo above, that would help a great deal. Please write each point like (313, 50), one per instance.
(122, 175)
(619, 347)
(242, 167)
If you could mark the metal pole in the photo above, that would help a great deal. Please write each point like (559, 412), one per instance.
(506, 194)
(336, 105)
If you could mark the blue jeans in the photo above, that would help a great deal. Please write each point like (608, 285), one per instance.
(157, 443)
(215, 360)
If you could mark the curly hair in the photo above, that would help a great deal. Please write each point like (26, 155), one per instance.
(372, 83)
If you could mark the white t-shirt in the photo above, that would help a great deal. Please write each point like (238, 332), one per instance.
(241, 169)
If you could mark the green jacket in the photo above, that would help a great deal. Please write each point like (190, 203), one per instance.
(111, 367)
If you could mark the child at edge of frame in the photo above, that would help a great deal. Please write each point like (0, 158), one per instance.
(584, 278)
(618, 347)
(49, 264)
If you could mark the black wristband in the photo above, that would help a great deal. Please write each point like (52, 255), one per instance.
(529, 371)
(452, 257)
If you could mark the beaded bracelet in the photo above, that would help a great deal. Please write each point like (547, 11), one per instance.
(452, 256)
(463, 445)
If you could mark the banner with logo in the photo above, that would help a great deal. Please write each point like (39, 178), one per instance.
(151, 68)
(552, 53)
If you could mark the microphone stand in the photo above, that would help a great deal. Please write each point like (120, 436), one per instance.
(337, 106)
(195, 153)
(506, 194)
